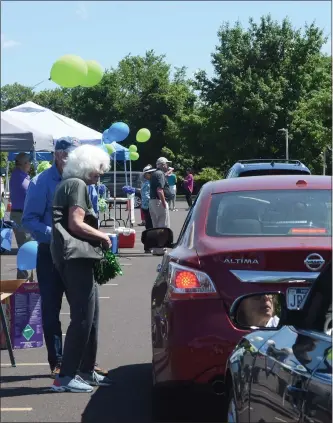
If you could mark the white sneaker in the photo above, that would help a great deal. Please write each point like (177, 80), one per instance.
(69, 384)
(94, 379)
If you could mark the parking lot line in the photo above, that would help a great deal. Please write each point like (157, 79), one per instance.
(110, 284)
(24, 364)
(16, 409)
(104, 298)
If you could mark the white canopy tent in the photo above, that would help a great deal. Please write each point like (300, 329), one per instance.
(16, 135)
(45, 120)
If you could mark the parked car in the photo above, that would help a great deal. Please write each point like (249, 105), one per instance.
(108, 179)
(284, 374)
(257, 167)
(242, 235)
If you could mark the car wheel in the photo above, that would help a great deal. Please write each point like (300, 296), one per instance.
(232, 412)
(137, 202)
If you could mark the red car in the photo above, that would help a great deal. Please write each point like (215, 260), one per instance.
(242, 235)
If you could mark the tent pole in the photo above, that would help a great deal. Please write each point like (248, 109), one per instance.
(7, 181)
(125, 167)
(130, 172)
(114, 190)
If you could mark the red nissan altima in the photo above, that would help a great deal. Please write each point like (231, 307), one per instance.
(241, 236)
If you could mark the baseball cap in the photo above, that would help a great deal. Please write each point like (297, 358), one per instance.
(67, 144)
(162, 160)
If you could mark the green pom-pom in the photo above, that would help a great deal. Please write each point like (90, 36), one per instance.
(102, 204)
(107, 268)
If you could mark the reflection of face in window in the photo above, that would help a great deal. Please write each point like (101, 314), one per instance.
(257, 311)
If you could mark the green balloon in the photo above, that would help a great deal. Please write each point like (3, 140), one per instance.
(143, 135)
(133, 148)
(134, 156)
(94, 75)
(110, 148)
(69, 71)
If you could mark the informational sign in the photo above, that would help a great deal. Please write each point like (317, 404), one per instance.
(24, 317)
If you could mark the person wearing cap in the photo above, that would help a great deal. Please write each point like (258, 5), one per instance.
(160, 194)
(18, 187)
(145, 197)
(37, 219)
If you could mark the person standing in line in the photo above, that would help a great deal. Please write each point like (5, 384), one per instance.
(145, 196)
(142, 179)
(37, 219)
(18, 187)
(73, 222)
(188, 187)
(159, 196)
(172, 181)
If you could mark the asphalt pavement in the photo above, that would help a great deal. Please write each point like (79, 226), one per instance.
(124, 348)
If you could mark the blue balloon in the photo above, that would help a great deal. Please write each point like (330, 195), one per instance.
(118, 132)
(27, 256)
(105, 137)
(6, 239)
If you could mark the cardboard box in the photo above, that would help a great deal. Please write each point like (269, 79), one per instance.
(24, 316)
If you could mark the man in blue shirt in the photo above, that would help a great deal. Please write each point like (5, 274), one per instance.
(93, 197)
(37, 219)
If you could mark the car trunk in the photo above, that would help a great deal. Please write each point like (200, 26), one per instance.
(243, 265)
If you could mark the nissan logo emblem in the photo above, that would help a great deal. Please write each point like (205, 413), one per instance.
(314, 262)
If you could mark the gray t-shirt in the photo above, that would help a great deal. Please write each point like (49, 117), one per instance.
(69, 193)
(158, 180)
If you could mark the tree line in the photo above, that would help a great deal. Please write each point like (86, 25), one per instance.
(266, 77)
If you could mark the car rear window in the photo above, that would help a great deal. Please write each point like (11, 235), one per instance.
(260, 172)
(270, 213)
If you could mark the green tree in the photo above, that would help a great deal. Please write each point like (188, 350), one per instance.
(13, 95)
(262, 75)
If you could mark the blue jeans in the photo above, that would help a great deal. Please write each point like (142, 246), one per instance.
(51, 290)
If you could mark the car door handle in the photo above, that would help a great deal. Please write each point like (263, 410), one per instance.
(296, 393)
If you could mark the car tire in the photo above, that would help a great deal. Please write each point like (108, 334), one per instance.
(137, 202)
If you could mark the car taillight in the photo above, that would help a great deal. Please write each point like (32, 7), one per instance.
(186, 283)
(308, 231)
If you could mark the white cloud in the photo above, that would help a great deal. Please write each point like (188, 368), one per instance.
(82, 11)
(7, 43)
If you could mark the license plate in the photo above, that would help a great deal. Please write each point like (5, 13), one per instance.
(296, 297)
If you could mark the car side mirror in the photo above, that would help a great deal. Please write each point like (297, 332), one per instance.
(157, 238)
(261, 310)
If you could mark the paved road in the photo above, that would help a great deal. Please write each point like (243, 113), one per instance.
(124, 348)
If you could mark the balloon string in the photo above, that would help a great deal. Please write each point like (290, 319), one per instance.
(39, 83)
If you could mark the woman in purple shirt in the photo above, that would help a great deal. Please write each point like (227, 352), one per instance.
(188, 186)
(18, 186)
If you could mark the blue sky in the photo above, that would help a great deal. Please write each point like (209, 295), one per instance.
(35, 33)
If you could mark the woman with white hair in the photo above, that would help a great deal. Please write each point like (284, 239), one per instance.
(76, 246)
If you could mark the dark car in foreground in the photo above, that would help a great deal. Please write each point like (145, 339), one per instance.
(284, 374)
(258, 167)
(241, 235)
